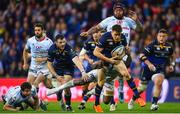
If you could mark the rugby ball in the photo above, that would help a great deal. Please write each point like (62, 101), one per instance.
(118, 51)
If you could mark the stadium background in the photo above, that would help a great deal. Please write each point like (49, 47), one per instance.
(71, 17)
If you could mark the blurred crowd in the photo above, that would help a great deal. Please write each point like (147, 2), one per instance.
(71, 17)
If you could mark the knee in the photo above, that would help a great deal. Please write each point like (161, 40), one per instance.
(106, 100)
(101, 83)
(158, 81)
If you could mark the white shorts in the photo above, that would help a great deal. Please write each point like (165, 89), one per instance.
(108, 89)
(93, 74)
(37, 71)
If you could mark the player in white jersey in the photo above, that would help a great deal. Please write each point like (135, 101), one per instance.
(127, 23)
(38, 46)
(16, 96)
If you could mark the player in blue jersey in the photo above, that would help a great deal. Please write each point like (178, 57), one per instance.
(61, 60)
(128, 23)
(107, 43)
(16, 96)
(155, 57)
(93, 62)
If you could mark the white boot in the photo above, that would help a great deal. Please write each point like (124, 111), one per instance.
(154, 107)
(131, 104)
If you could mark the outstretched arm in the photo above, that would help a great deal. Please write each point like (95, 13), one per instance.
(91, 31)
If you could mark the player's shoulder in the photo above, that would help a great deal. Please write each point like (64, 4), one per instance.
(110, 18)
(48, 39)
(106, 35)
(88, 40)
(127, 18)
(52, 47)
(68, 47)
(31, 39)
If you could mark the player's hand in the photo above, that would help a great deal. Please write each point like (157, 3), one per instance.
(127, 49)
(114, 60)
(132, 15)
(60, 78)
(25, 66)
(84, 34)
(91, 61)
(170, 69)
(85, 76)
(152, 67)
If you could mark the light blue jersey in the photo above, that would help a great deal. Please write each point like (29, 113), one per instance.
(38, 49)
(13, 97)
(126, 23)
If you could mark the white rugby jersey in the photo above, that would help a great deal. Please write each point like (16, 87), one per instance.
(126, 23)
(13, 96)
(38, 49)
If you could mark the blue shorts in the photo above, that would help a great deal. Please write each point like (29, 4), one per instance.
(88, 68)
(65, 71)
(147, 74)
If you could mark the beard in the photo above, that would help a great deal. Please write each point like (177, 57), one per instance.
(38, 35)
(119, 17)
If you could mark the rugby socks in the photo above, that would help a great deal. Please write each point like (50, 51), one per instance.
(37, 89)
(84, 92)
(88, 95)
(59, 95)
(132, 85)
(134, 97)
(68, 99)
(98, 90)
(112, 100)
(155, 100)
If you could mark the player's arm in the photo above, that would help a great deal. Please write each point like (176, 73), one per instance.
(25, 57)
(78, 63)
(36, 102)
(10, 107)
(97, 52)
(144, 57)
(83, 56)
(171, 62)
(50, 60)
(134, 16)
(92, 30)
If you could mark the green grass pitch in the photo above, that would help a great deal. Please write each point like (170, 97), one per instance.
(53, 107)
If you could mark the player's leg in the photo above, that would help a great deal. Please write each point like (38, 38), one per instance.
(32, 74)
(91, 91)
(108, 92)
(120, 89)
(72, 83)
(145, 77)
(67, 91)
(98, 89)
(122, 69)
(40, 78)
(127, 61)
(158, 80)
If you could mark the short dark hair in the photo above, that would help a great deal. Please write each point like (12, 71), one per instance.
(119, 5)
(59, 36)
(25, 85)
(39, 25)
(163, 31)
(117, 28)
